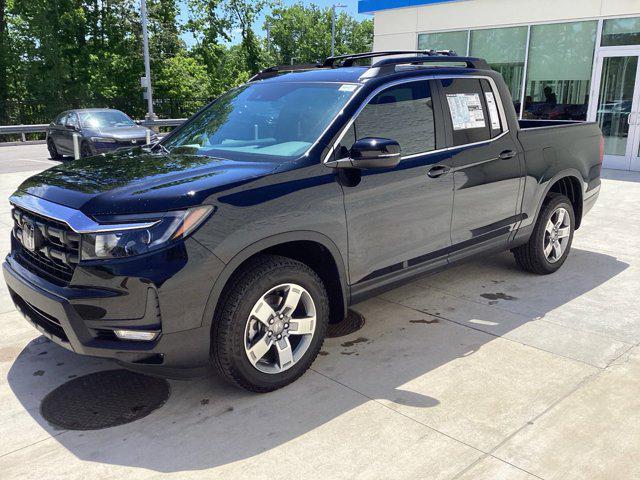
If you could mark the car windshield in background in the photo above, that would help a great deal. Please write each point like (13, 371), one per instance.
(107, 119)
(263, 120)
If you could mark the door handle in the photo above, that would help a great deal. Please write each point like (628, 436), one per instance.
(507, 154)
(438, 171)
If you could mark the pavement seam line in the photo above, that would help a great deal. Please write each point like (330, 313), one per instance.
(496, 335)
(399, 412)
(32, 444)
(488, 455)
(578, 386)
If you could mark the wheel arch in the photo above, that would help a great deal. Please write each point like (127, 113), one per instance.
(302, 246)
(570, 184)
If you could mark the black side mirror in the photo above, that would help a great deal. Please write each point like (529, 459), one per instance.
(375, 153)
(72, 128)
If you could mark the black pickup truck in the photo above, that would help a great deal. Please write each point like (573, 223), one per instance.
(232, 243)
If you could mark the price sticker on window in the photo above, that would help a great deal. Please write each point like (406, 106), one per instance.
(466, 111)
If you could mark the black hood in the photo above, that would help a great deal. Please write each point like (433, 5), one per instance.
(136, 181)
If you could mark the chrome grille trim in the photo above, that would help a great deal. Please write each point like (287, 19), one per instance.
(75, 219)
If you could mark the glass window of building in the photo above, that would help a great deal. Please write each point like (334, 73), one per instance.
(621, 31)
(444, 41)
(505, 49)
(559, 70)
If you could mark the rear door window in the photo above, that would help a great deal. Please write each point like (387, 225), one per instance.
(403, 113)
(466, 111)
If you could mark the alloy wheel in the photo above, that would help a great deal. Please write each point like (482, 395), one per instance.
(280, 327)
(556, 235)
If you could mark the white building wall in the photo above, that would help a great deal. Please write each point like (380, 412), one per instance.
(398, 28)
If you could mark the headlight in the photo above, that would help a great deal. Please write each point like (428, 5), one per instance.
(103, 140)
(126, 243)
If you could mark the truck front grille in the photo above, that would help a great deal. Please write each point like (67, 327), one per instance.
(46, 247)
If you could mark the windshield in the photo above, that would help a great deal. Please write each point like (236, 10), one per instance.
(107, 119)
(263, 120)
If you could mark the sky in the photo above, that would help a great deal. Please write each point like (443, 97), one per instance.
(351, 8)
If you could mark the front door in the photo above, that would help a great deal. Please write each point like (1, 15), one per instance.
(615, 106)
(398, 218)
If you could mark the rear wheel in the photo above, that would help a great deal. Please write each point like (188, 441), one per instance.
(53, 151)
(272, 324)
(550, 242)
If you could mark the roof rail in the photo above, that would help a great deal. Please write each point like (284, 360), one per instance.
(388, 65)
(348, 59)
(280, 69)
(385, 66)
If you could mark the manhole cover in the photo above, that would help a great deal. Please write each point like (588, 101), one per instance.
(351, 323)
(104, 399)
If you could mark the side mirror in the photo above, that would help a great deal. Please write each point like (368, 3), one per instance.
(374, 153)
(72, 128)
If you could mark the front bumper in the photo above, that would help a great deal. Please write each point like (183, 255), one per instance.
(67, 316)
(120, 144)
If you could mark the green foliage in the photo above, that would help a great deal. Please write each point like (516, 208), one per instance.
(59, 54)
(303, 33)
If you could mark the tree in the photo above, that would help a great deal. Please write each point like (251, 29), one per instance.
(242, 13)
(303, 33)
(4, 49)
(59, 54)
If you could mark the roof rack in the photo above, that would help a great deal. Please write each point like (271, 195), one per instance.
(388, 65)
(348, 59)
(280, 69)
(384, 66)
(418, 57)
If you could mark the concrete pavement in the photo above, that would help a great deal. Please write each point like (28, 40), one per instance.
(479, 372)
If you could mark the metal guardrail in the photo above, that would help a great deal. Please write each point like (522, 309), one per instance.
(42, 128)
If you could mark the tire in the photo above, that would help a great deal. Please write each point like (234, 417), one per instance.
(531, 256)
(268, 279)
(53, 151)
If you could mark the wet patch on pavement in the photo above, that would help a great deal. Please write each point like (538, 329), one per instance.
(498, 296)
(424, 320)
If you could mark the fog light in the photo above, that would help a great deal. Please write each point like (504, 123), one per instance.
(144, 335)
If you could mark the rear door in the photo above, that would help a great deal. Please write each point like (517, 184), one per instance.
(398, 218)
(486, 161)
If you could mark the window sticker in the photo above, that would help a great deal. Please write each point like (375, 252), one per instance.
(466, 111)
(493, 110)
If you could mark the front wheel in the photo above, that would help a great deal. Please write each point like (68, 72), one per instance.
(550, 242)
(53, 151)
(271, 325)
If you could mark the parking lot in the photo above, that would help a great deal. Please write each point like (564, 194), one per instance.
(479, 372)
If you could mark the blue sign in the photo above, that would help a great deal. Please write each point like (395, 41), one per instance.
(368, 6)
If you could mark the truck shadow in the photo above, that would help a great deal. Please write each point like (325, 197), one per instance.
(396, 359)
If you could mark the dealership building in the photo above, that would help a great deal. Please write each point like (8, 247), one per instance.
(561, 59)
